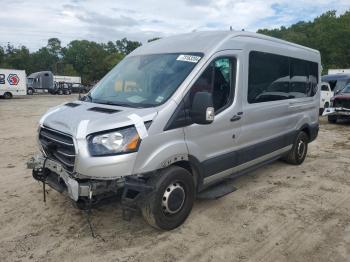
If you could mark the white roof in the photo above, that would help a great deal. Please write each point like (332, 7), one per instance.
(207, 42)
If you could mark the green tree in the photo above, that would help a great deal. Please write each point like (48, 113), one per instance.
(328, 33)
(126, 46)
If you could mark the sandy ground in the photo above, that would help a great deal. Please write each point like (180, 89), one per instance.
(279, 212)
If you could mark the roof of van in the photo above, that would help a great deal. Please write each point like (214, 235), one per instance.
(204, 42)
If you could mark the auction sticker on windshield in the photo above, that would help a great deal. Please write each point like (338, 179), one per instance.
(189, 58)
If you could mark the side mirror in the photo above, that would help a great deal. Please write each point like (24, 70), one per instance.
(202, 110)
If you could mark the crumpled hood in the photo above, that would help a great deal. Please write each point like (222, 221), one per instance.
(342, 96)
(67, 117)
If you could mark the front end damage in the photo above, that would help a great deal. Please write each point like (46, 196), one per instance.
(337, 111)
(88, 192)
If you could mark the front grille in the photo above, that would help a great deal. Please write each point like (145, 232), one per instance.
(58, 146)
(342, 103)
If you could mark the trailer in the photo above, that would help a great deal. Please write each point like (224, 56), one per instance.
(67, 79)
(12, 83)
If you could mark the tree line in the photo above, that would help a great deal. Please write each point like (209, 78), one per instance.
(328, 33)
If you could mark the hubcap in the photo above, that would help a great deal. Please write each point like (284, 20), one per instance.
(173, 198)
(301, 148)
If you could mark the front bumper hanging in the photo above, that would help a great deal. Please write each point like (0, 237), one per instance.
(134, 188)
(52, 173)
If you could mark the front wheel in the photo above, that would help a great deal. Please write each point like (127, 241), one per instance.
(7, 95)
(172, 201)
(297, 154)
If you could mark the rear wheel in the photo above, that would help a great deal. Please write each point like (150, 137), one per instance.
(171, 203)
(297, 154)
(332, 119)
(7, 95)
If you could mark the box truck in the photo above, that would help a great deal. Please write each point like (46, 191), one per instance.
(12, 83)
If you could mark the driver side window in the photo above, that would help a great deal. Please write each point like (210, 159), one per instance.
(217, 79)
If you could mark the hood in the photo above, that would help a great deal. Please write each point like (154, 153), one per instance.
(67, 117)
(342, 96)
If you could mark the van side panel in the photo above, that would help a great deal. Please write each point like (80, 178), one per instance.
(161, 148)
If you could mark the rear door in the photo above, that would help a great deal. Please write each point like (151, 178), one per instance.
(213, 144)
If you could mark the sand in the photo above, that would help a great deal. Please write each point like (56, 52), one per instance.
(279, 212)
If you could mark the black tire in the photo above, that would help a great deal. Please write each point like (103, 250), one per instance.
(60, 92)
(320, 112)
(30, 91)
(179, 182)
(7, 95)
(332, 119)
(297, 154)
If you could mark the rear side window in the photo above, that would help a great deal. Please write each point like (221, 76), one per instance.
(275, 77)
(268, 77)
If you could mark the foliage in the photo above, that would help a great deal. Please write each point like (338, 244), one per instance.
(327, 33)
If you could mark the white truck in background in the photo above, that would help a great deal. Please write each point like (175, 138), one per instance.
(67, 79)
(326, 95)
(12, 83)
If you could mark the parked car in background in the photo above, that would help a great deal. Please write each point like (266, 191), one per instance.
(326, 95)
(79, 88)
(340, 105)
(12, 83)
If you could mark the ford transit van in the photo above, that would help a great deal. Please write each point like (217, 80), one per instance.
(179, 115)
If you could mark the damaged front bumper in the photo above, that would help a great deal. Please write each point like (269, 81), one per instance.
(52, 173)
(338, 111)
(134, 188)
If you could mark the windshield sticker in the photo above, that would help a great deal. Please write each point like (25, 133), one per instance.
(189, 58)
(159, 99)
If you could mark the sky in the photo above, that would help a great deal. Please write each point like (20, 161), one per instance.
(32, 22)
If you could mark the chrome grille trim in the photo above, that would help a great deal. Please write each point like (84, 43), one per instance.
(58, 146)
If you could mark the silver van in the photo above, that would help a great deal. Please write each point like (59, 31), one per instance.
(179, 115)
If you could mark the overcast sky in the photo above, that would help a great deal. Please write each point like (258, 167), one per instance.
(32, 22)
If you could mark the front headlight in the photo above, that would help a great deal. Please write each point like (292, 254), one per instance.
(115, 142)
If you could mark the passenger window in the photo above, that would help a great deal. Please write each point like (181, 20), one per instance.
(274, 77)
(268, 77)
(218, 79)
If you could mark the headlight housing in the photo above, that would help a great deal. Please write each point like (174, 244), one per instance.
(114, 142)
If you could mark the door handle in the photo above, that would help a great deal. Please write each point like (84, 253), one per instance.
(235, 118)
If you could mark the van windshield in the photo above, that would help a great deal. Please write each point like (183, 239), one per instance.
(144, 81)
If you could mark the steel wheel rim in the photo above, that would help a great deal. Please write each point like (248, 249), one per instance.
(173, 198)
